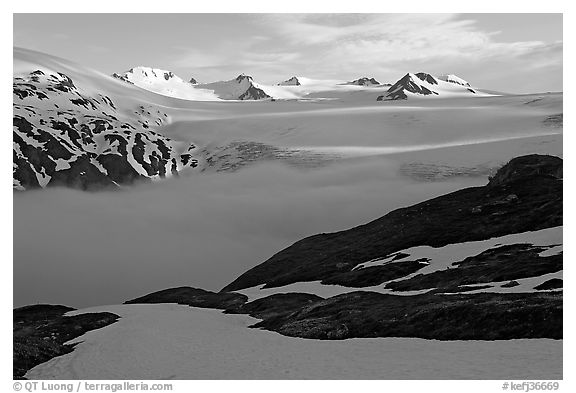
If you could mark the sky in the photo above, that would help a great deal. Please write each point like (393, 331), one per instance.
(516, 53)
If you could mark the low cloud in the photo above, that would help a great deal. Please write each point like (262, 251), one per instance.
(203, 230)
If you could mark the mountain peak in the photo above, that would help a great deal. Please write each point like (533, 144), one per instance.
(145, 72)
(427, 78)
(242, 87)
(290, 82)
(164, 82)
(424, 84)
(243, 77)
(364, 81)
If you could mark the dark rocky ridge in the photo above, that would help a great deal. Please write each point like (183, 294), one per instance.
(40, 331)
(252, 92)
(525, 195)
(274, 306)
(375, 275)
(485, 316)
(554, 283)
(290, 82)
(193, 297)
(407, 83)
(364, 81)
(411, 83)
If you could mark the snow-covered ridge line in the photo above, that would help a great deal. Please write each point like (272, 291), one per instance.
(66, 135)
(165, 83)
(423, 84)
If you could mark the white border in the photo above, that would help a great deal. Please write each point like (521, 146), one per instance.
(167, 6)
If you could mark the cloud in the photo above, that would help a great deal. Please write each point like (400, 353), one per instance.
(203, 230)
(345, 42)
(385, 46)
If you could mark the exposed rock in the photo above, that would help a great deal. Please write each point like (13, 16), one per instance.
(485, 316)
(275, 305)
(427, 77)
(407, 83)
(253, 93)
(510, 284)
(374, 275)
(290, 82)
(527, 167)
(365, 81)
(193, 297)
(554, 283)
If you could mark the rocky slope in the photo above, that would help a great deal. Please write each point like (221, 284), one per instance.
(67, 134)
(486, 316)
(194, 297)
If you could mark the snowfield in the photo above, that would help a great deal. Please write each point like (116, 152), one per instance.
(166, 341)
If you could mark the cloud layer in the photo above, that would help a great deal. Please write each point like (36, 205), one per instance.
(382, 45)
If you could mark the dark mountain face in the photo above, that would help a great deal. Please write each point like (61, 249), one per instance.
(193, 297)
(365, 81)
(63, 136)
(525, 195)
(427, 78)
(527, 167)
(243, 77)
(407, 83)
(252, 92)
(290, 82)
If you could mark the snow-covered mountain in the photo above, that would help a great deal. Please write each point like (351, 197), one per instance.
(425, 85)
(75, 133)
(165, 83)
(364, 81)
(454, 79)
(241, 88)
(290, 82)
